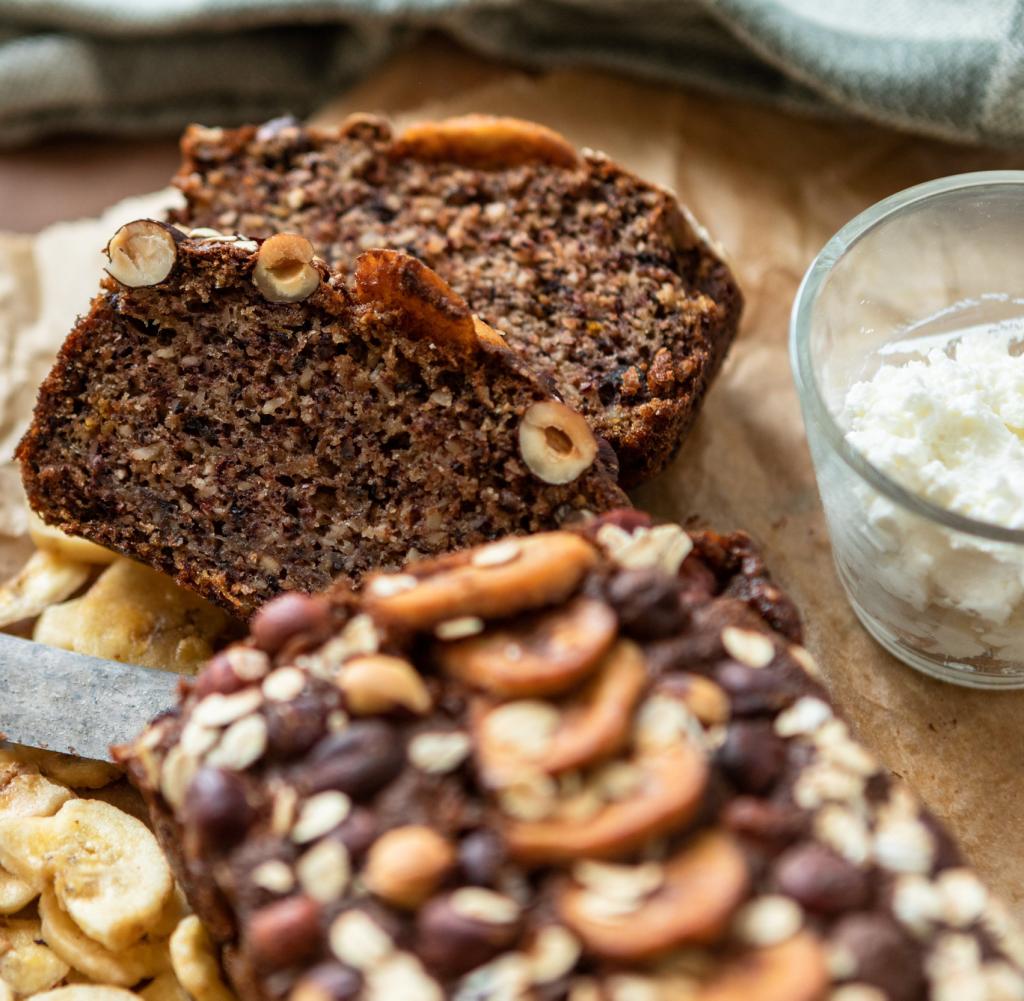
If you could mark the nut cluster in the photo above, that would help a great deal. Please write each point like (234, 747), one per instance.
(570, 766)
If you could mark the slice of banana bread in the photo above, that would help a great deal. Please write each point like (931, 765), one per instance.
(233, 415)
(597, 277)
(590, 766)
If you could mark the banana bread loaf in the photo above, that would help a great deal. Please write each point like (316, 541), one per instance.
(234, 416)
(579, 766)
(596, 277)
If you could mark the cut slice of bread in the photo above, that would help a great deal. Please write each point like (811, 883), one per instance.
(599, 279)
(237, 416)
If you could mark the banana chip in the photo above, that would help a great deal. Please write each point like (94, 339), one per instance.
(14, 893)
(26, 965)
(195, 963)
(77, 773)
(137, 616)
(164, 988)
(110, 874)
(44, 580)
(26, 793)
(87, 992)
(108, 871)
(25, 846)
(122, 968)
(53, 540)
(125, 798)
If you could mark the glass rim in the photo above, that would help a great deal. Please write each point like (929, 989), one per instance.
(808, 388)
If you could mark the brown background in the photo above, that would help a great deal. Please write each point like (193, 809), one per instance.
(773, 189)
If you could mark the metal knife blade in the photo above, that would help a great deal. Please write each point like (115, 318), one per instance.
(69, 702)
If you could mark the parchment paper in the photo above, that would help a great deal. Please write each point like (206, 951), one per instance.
(772, 189)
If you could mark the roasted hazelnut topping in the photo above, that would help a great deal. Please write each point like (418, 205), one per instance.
(689, 899)
(288, 616)
(407, 864)
(217, 809)
(142, 253)
(556, 442)
(284, 933)
(357, 761)
(612, 822)
(284, 271)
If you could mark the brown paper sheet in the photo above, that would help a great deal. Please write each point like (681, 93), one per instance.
(772, 189)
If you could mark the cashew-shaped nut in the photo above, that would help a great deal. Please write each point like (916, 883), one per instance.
(389, 281)
(485, 141)
(703, 884)
(592, 726)
(545, 656)
(794, 970)
(669, 793)
(534, 571)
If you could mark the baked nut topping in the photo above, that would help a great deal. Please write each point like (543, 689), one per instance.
(615, 780)
(406, 865)
(623, 301)
(284, 271)
(142, 253)
(556, 442)
(532, 572)
(544, 656)
(485, 141)
(692, 901)
(365, 411)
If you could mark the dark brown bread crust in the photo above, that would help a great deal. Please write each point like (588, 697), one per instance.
(248, 447)
(595, 276)
(626, 748)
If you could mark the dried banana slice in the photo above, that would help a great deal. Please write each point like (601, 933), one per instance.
(27, 966)
(14, 893)
(195, 963)
(26, 793)
(43, 581)
(137, 616)
(122, 968)
(107, 869)
(76, 773)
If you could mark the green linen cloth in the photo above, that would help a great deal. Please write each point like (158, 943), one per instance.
(948, 68)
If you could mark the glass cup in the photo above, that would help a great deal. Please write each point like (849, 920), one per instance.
(940, 261)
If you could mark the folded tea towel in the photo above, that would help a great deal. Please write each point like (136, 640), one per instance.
(948, 68)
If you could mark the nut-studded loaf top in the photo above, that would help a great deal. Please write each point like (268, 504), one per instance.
(597, 277)
(234, 415)
(578, 766)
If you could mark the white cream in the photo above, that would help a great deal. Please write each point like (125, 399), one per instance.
(950, 428)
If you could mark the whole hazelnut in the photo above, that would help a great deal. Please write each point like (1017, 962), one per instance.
(452, 942)
(328, 982)
(481, 855)
(753, 755)
(883, 955)
(142, 253)
(284, 271)
(284, 933)
(280, 620)
(216, 810)
(218, 677)
(406, 865)
(820, 880)
(556, 443)
(358, 760)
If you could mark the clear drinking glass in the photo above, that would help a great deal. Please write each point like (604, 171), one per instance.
(941, 591)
